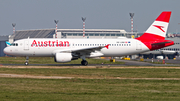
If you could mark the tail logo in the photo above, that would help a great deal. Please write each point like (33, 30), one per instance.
(159, 27)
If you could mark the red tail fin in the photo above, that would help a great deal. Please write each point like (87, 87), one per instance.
(158, 29)
(154, 37)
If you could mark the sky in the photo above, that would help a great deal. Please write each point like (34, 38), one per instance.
(100, 14)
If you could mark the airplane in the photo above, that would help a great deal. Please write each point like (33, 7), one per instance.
(66, 50)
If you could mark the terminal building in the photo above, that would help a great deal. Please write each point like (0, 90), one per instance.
(78, 33)
(72, 33)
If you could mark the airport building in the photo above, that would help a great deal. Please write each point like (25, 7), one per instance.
(72, 33)
(3, 40)
(78, 33)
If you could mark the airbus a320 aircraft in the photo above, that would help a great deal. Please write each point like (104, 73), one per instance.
(65, 50)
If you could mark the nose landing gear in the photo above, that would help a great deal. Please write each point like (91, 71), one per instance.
(27, 61)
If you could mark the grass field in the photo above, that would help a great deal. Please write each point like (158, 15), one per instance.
(50, 60)
(97, 73)
(104, 86)
(88, 90)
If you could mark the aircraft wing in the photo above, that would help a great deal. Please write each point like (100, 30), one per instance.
(81, 51)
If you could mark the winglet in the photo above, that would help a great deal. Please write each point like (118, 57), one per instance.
(8, 44)
(107, 46)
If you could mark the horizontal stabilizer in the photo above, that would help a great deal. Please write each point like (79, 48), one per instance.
(160, 43)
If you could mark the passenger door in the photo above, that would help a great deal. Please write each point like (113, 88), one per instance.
(138, 45)
(26, 45)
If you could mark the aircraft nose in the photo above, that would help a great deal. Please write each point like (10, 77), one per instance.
(6, 50)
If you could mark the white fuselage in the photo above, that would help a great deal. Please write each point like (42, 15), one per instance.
(49, 46)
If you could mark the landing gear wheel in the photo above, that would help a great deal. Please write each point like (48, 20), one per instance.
(84, 62)
(26, 63)
(27, 59)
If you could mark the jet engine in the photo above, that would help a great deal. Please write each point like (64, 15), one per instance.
(63, 57)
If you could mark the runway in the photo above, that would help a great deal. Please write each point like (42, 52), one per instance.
(126, 63)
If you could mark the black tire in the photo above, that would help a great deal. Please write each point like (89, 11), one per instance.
(26, 63)
(84, 62)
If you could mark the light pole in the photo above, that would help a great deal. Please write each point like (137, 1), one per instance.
(56, 21)
(83, 19)
(131, 15)
(13, 24)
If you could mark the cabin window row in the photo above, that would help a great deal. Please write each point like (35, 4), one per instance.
(83, 45)
(101, 44)
(171, 49)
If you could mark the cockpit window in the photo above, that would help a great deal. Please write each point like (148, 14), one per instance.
(14, 44)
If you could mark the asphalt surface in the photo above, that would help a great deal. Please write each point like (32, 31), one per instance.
(147, 62)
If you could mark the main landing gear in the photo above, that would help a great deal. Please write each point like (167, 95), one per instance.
(27, 61)
(84, 62)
